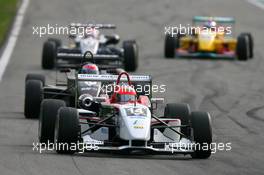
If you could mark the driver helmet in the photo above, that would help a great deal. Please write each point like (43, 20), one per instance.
(210, 24)
(125, 94)
(89, 69)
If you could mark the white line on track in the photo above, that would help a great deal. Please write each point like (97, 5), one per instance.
(11, 42)
(258, 3)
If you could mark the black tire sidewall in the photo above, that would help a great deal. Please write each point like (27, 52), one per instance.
(33, 98)
(130, 56)
(49, 55)
(251, 43)
(48, 112)
(202, 134)
(179, 111)
(242, 49)
(66, 129)
(36, 77)
(169, 47)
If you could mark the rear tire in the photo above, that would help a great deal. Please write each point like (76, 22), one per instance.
(49, 55)
(242, 48)
(135, 45)
(130, 56)
(33, 98)
(36, 77)
(251, 44)
(179, 111)
(57, 42)
(67, 130)
(48, 113)
(170, 44)
(202, 133)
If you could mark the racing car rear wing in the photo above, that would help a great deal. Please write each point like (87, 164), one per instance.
(216, 19)
(98, 26)
(75, 60)
(79, 56)
(113, 78)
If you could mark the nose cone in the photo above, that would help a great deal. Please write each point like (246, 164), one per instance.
(206, 42)
(135, 122)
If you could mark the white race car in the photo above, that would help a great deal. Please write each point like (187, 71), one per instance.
(125, 122)
(103, 47)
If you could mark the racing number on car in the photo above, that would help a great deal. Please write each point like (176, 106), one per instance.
(136, 111)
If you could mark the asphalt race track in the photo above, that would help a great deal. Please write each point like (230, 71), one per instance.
(232, 91)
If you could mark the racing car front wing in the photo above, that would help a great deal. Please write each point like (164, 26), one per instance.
(205, 55)
(155, 148)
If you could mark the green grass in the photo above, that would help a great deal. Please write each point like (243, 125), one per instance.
(7, 12)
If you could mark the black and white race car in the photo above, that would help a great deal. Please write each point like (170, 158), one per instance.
(103, 47)
(36, 89)
(125, 122)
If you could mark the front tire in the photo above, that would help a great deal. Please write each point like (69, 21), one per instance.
(202, 133)
(33, 98)
(48, 113)
(179, 111)
(67, 130)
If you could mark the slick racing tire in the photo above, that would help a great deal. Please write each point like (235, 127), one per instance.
(251, 44)
(170, 44)
(48, 113)
(202, 134)
(242, 48)
(33, 98)
(36, 77)
(130, 56)
(49, 55)
(179, 111)
(135, 44)
(57, 42)
(66, 130)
